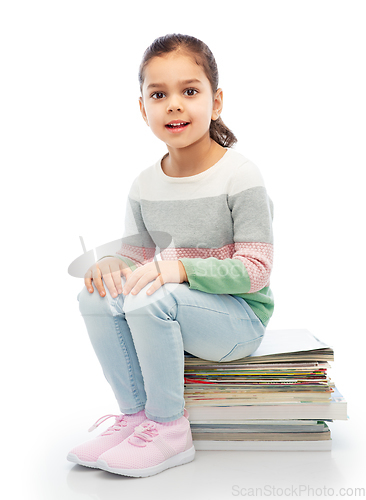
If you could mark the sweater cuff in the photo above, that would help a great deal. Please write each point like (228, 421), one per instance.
(227, 276)
(190, 270)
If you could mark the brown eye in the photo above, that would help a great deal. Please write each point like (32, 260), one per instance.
(157, 94)
(191, 92)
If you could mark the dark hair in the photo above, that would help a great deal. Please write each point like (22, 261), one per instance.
(219, 132)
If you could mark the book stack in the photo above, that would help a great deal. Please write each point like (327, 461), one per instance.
(278, 398)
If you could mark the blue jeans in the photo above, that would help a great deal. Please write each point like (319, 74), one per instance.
(140, 341)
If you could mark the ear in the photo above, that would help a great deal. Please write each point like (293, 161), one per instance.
(143, 112)
(217, 104)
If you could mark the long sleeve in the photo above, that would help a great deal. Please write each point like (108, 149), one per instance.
(247, 268)
(137, 247)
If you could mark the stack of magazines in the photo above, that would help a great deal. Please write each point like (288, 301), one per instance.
(278, 398)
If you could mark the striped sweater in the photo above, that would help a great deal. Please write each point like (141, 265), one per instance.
(218, 223)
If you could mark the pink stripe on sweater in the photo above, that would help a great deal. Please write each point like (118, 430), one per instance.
(256, 257)
(258, 261)
(139, 255)
(225, 252)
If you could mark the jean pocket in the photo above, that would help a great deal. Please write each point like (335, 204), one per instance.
(242, 350)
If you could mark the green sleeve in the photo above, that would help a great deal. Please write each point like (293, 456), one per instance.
(211, 275)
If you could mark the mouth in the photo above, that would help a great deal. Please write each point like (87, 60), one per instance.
(176, 126)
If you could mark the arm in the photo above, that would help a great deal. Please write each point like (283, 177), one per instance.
(137, 247)
(248, 269)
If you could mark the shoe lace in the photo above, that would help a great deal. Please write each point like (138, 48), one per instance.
(143, 433)
(120, 422)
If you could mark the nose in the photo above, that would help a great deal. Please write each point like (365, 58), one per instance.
(174, 104)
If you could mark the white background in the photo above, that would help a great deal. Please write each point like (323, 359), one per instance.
(72, 141)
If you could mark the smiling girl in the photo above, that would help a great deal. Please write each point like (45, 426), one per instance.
(209, 294)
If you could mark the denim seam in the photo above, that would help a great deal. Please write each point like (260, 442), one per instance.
(130, 368)
(175, 305)
(252, 320)
(132, 411)
(240, 343)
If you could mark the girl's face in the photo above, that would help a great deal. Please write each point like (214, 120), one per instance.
(176, 89)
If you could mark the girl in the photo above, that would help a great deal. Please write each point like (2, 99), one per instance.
(209, 295)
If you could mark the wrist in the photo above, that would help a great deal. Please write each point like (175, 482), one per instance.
(182, 272)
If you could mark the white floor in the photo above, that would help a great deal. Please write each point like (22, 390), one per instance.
(60, 392)
(212, 475)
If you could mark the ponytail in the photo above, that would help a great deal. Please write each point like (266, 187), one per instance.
(221, 134)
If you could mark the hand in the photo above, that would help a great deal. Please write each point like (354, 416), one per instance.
(111, 269)
(166, 271)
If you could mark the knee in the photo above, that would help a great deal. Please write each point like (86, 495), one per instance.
(142, 303)
(94, 304)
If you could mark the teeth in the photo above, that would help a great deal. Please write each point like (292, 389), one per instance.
(176, 124)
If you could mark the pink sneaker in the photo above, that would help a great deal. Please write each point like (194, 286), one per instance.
(88, 453)
(152, 448)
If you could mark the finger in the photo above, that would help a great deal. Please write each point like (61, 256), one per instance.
(97, 278)
(134, 276)
(131, 280)
(116, 277)
(109, 283)
(127, 272)
(112, 278)
(142, 282)
(156, 285)
(119, 270)
(88, 281)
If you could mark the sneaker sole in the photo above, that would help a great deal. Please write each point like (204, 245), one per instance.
(71, 457)
(180, 459)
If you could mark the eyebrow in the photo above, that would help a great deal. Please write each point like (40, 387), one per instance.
(183, 82)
